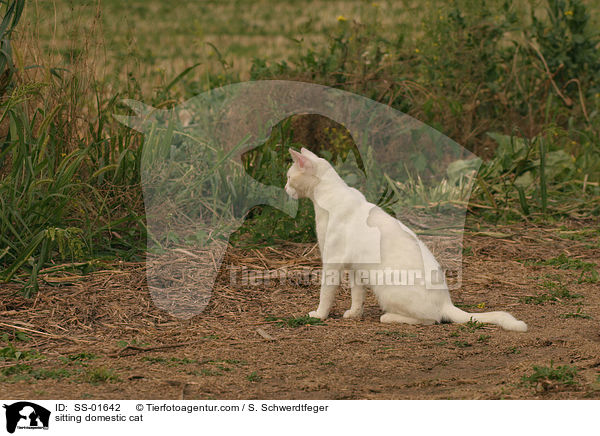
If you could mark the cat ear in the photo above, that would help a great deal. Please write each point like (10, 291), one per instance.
(303, 162)
(307, 152)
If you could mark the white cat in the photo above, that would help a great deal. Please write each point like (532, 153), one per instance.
(379, 251)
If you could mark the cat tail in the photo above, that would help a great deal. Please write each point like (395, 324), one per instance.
(503, 319)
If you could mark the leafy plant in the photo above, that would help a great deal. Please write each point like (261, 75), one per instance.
(10, 353)
(548, 377)
(568, 44)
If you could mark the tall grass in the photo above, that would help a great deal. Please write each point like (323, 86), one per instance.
(69, 188)
(58, 205)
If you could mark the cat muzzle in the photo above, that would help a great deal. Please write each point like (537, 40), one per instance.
(291, 192)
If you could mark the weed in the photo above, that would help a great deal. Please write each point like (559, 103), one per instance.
(253, 377)
(473, 325)
(19, 368)
(100, 375)
(134, 343)
(564, 262)
(81, 356)
(171, 361)
(483, 338)
(462, 344)
(224, 368)
(577, 314)
(558, 292)
(295, 322)
(11, 353)
(235, 362)
(578, 235)
(396, 334)
(44, 374)
(22, 371)
(549, 376)
(592, 277)
(206, 372)
(16, 335)
(153, 359)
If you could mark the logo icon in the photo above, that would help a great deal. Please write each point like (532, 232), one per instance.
(26, 415)
(198, 187)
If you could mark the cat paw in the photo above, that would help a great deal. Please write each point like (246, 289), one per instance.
(315, 314)
(352, 313)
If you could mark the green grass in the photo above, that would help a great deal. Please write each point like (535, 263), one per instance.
(134, 342)
(549, 376)
(217, 367)
(564, 262)
(462, 344)
(484, 338)
(55, 374)
(83, 356)
(253, 377)
(170, 361)
(557, 292)
(578, 235)
(592, 277)
(295, 322)
(576, 314)
(473, 325)
(27, 372)
(396, 334)
(100, 375)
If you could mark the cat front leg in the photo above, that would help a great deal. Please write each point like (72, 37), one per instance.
(330, 283)
(325, 301)
(358, 300)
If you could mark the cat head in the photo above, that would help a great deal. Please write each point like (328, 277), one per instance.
(304, 173)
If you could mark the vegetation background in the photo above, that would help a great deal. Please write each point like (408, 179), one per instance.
(517, 83)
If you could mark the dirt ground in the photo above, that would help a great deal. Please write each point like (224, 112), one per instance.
(100, 337)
